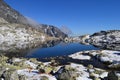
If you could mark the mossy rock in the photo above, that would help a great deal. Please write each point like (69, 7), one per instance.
(68, 67)
(3, 59)
(41, 71)
(22, 77)
(92, 75)
(20, 64)
(44, 78)
(52, 61)
(97, 72)
(2, 69)
(40, 65)
(96, 79)
(7, 74)
(48, 69)
(67, 75)
(113, 76)
(34, 60)
(90, 66)
(14, 76)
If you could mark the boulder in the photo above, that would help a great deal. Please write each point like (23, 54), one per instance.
(106, 39)
(2, 69)
(22, 77)
(7, 74)
(64, 74)
(14, 76)
(113, 75)
(44, 78)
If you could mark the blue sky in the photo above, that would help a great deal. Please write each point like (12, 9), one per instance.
(81, 16)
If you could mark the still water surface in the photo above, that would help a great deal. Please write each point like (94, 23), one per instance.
(61, 49)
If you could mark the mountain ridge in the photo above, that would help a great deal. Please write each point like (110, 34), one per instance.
(10, 15)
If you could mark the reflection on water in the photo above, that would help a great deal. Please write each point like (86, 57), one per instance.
(21, 48)
(62, 49)
(36, 49)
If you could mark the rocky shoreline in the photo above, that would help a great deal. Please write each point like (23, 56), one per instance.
(32, 69)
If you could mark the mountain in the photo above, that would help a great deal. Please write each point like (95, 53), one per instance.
(52, 31)
(12, 16)
(106, 39)
(19, 33)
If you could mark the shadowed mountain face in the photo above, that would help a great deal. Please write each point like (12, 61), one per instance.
(12, 16)
(52, 31)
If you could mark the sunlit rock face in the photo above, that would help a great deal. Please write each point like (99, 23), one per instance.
(19, 33)
(12, 16)
(52, 31)
(84, 39)
(14, 27)
(106, 39)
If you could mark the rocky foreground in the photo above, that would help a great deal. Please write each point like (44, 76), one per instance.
(31, 69)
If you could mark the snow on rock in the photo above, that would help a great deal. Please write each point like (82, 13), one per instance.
(104, 74)
(49, 76)
(46, 63)
(106, 39)
(27, 73)
(94, 52)
(110, 56)
(83, 78)
(31, 64)
(107, 56)
(17, 60)
(34, 75)
(42, 38)
(17, 35)
(79, 55)
(115, 64)
(84, 75)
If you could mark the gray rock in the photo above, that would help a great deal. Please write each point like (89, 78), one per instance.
(52, 31)
(44, 78)
(14, 76)
(2, 69)
(114, 75)
(64, 74)
(9, 14)
(67, 75)
(106, 39)
(7, 74)
(22, 77)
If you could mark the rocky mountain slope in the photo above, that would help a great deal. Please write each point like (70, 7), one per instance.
(18, 36)
(52, 31)
(106, 39)
(10, 15)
